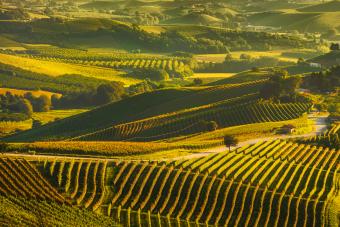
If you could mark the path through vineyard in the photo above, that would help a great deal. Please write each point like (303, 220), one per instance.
(320, 127)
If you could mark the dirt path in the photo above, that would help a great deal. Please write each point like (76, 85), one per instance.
(320, 127)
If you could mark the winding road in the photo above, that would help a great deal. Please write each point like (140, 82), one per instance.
(320, 127)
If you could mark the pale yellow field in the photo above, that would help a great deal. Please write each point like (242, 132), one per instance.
(59, 69)
(6, 43)
(37, 16)
(213, 75)
(236, 54)
(153, 29)
(23, 92)
(52, 115)
(7, 128)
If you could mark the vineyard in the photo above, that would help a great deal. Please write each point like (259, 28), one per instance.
(330, 138)
(173, 65)
(146, 105)
(19, 178)
(284, 183)
(189, 122)
(29, 212)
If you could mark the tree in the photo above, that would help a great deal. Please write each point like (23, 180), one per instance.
(36, 123)
(335, 47)
(43, 104)
(211, 126)
(3, 146)
(228, 58)
(107, 93)
(331, 33)
(198, 81)
(230, 141)
(26, 107)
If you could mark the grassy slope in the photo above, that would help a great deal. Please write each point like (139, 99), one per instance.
(304, 22)
(332, 6)
(194, 19)
(59, 69)
(242, 77)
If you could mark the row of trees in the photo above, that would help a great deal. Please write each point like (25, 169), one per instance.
(103, 94)
(18, 108)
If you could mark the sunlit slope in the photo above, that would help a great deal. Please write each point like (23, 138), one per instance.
(195, 19)
(56, 69)
(136, 108)
(273, 183)
(303, 22)
(332, 6)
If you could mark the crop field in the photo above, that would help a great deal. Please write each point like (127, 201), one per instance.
(279, 54)
(58, 69)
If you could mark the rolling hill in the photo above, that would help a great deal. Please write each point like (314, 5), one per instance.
(332, 6)
(303, 22)
(144, 106)
(327, 60)
(195, 19)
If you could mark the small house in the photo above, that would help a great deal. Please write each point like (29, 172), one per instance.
(287, 129)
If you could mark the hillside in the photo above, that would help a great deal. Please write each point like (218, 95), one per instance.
(195, 19)
(327, 60)
(332, 6)
(303, 22)
(194, 121)
(145, 105)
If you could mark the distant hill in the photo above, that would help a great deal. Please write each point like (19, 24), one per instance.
(195, 18)
(333, 6)
(303, 22)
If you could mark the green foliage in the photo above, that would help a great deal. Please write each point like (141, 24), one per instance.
(325, 81)
(152, 74)
(246, 62)
(230, 141)
(14, 108)
(281, 87)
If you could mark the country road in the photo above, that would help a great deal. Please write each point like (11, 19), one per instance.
(320, 127)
